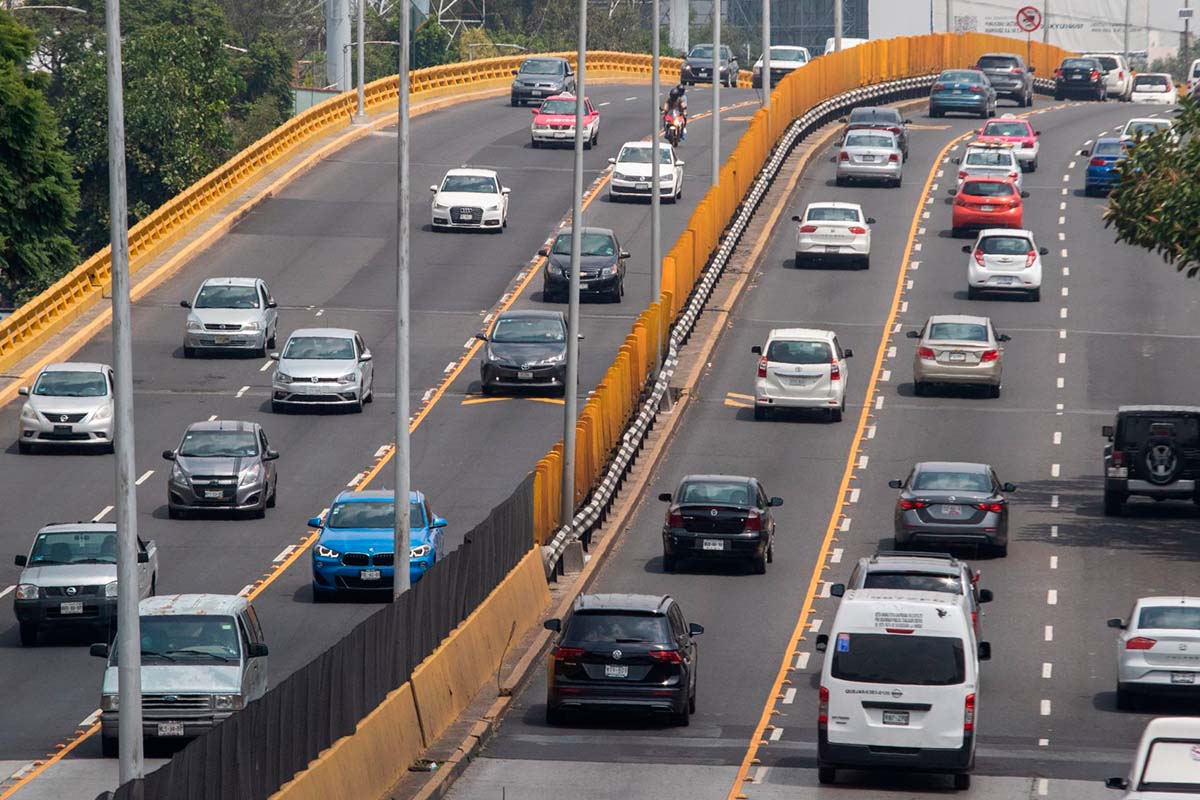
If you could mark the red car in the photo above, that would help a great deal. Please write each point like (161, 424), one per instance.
(986, 203)
(554, 122)
(1018, 133)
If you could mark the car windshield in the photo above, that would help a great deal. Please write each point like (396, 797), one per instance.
(635, 154)
(733, 493)
(960, 76)
(593, 244)
(1151, 83)
(916, 581)
(190, 638)
(706, 51)
(829, 214)
(870, 140)
(1172, 767)
(373, 514)
(1006, 129)
(219, 444)
(1108, 62)
(989, 158)
(958, 332)
(997, 62)
(941, 481)
(557, 107)
(1145, 127)
(615, 627)
(470, 184)
(541, 66)
(335, 348)
(904, 659)
(71, 384)
(785, 352)
(1079, 63)
(74, 547)
(227, 297)
(1109, 149)
(1178, 617)
(989, 189)
(529, 330)
(789, 54)
(1004, 245)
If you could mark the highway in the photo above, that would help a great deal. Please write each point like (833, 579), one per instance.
(326, 247)
(1114, 326)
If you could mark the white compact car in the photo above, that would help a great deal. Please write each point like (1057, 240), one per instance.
(69, 404)
(801, 368)
(470, 198)
(1158, 649)
(989, 161)
(631, 172)
(833, 233)
(1154, 87)
(1004, 260)
(1166, 764)
(1148, 126)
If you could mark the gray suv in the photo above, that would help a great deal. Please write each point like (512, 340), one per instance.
(230, 314)
(1152, 451)
(1010, 76)
(222, 464)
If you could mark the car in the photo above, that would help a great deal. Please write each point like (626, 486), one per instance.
(952, 503)
(1004, 260)
(222, 464)
(540, 77)
(962, 91)
(355, 551)
(70, 404)
(833, 233)
(872, 155)
(1154, 87)
(986, 203)
(847, 43)
(231, 315)
(960, 350)
(1193, 78)
(785, 59)
(1017, 133)
(633, 651)
(526, 349)
(1158, 650)
(875, 118)
(1118, 78)
(471, 198)
(725, 517)
(601, 265)
(899, 571)
(1076, 76)
(1165, 763)
(1103, 159)
(989, 161)
(1145, 127)
(1009, 75)
(1153, 451)
(323, 367)
(697, 66)
(801, 368)
(69, 577)
(631, 172)
(554, 122)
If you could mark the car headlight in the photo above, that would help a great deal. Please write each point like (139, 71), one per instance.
(686, 67)
(349, 377)
(228, 702)
(611, 269)
(27, 591)
(282, 377)
(326, 552)
(195, 325)
(439, 207)
(252, 475)
(102, 414)
(28, 413)
(621, 176)
(110, 589)
(554, 269)
(178, 475)
(493, 207)
(110, 702)
(420, 551)
(555, 359)
(251, 326)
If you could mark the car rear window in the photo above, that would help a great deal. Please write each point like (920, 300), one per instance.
(596, 627)
(1004, 245)
(826, 214)
(715, 492)
(988, 189)
(894, 658)
(1172, 766)
(997, 62)
(947, 481)
(1179, 617)
(1108, 62)
(1139, 428)
(869, 140)
(1079, 63)
(916, 581)
(1006, 129)
(872, 114)
(792, 352)
(958, 332)
(989, 158)
(961, 76)
(1109, 149)
(1151, 82)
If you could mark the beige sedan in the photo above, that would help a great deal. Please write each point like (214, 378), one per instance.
(958, 349)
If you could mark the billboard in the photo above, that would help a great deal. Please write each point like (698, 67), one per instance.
(1080, 25)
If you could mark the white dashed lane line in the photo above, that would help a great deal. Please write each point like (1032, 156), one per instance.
(1054, 501)
(789, 696)
(834, 558)
(1057, 437)
(287, 551)
(265, 366)
(1045, 708)
(145, 476)
(1047, 670)
(815, 626)
(1054, 559)
(242, 391)
(776, 734)
(1051, 597)
(103, 513)
(1049, 633)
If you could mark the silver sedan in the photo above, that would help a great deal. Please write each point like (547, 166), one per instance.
(1158, 650)
(958, 349)
(70, 404)
(870, 155)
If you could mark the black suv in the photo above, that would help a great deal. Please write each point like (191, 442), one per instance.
(719, 516)
(1009, 75)
(623, 650)
(1153, 451)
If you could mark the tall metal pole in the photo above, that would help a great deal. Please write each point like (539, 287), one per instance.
(403, 536)
(949, 16)
(1046, 21)
(766, 50)
(570, 390)
(716, 101)
(838, 24)
(362, 61)
(337, 39)
(1125, 32)
(129, 650)
(1187, 62)
(656, 125)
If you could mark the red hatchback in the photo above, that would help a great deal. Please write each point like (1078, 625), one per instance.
(554, 122)
(986, 203)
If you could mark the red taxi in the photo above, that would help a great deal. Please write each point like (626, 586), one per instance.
(1015, 132)
(554, 122)
(986, 203)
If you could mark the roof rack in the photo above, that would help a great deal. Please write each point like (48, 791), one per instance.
(914, 554)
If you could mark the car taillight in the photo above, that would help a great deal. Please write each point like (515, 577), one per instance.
(974, 88)
(1120, 74)
(925, 352)
(568, 653)
(1095, 75)
(753, 522)
(1097, 162)
(1118, 458)
(1139, 643)
(989, 355)
(1030, 258)
(994, 507)
(974, 619)
(762, 367)
(910, 505)
(939, 87)
(808, 228)
(857, 230)
(674, 520)
(979, 257)
(1012, 176)
(894, 158)
(969, 713)
(962, 174)
(823, 707)
(1027, 145)
(1058, 72)
(1017, 71)
(844, 156)
(835, 372)
(894, 130)
(666, 656)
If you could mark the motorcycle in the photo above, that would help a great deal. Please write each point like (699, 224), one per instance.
(673, 127)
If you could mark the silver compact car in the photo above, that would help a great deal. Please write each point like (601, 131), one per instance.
(960, 350)
(1158, 650)
(952, 503)
(69, 404)
(870, 155)
(323, 366)
(232, 315)
(222, 465)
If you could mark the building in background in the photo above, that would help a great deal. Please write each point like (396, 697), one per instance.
(800, 22)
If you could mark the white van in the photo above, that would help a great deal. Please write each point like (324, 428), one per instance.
(899, 687)
(847, 43)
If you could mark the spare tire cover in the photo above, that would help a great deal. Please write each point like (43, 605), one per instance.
(1161, 460)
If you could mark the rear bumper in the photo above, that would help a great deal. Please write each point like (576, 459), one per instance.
(763, 396)
(954, 102)
(885, 171)
(685, 544)
(1067, 89)
(1022, 280)
(986, 219)
(950, 534)
(933, 372)
(918, 759)
(1101, 180)
(663, 699)
(1179, 490)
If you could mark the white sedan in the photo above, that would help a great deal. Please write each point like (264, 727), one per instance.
(470, 198)
(1004, 260)
(833, 232)
(1158, 649)
(632, 167)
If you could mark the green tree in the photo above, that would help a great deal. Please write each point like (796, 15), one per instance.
(1157, 202)
(40, 194)
(430, 45)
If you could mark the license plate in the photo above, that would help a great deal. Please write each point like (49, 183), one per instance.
(466, 216)
(712, 544)
(524, 376)
(170, 729)
(868, 158)
(535, 93)
(62, 429)
(958, 356)
(951, 511)
(1183, 677)
(616, 670)
(895, 718)
(832, 248)
(220, 340)
(798, 381)
(1004, 281)
(213, 494)
(1077, 77)
(958, 91)
(583, 287)
(642, 186)
(369, 574)
(70, 608)
(987, 208)
(560, 134)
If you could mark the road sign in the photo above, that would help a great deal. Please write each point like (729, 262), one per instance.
(1029, 19)
(1186, 13)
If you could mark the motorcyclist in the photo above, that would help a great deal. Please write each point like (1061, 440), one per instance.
(677, 102)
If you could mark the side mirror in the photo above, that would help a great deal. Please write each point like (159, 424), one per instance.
(1117, 622)
(966, 248)
(848, 353)
(837, 590)
(314, 522)
(169, 455)
(913, 334)
(978, 131)
(257, 650)
(665, 497)
(625, 254)
(185, 304)
(1045, 251)
(535, 111)
(505, 190)
(822, 643)
(481, 337)
(775, 502)
(1108, 430)
(544, 251)
(366, 356)
(99, 650)
(612, 161)
(694, 629)
(679, 163)
(896, 483)
(433, 188)
(870, 220)
(956, 159)
(23, 391)
(1024, 195)
(516, 72)
(756, 349)
(1037, 133)
(580, 337)
(272, 304)
(951, 192)
(271, 455)
(986, 596)
(1004, 337)
(1116, 783)
(985, 651)
(438, 522)
(842, 119)
(795, 218)
(143, 557)
(274, 356)
(1009, 487)
(553, 624)
(1085, 152)
(908, 122)
(20, 561)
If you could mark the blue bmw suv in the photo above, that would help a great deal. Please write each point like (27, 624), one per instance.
(355, 550)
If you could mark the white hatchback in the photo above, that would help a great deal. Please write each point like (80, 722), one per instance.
(801, 368)
(989, 161)
(1154, 87)
(1004, 260)
(833, 232)
(1158, 650)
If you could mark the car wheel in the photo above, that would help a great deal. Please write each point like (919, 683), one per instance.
(956, 233)
(835, 414)
(1035, 295)
(617, 291)
(865, 263)
(357, 406)
(1058, 96)
(993, 392)
(189, 352)
(1033, 165)
(898, 182)
(972, 293)
(110, 746)
(826, 775)
(838, 180)
(278, 407)
(323, 595)
(1126, 701)
(260, 512)
(761, 413)
(758, 564)
(24, 448)
(154, 584)
(1029, 100)
(771, 553)
(554, 716)
(174, 513)
(587, 143)
(1000, 550)
(668, 563)
(799, 260)
(596, 137)
(534, 143)
(683, 718)
(962, 781)
(1114, 503)
(29, 633)
(271, 341)
(692, 702)
(273, 499)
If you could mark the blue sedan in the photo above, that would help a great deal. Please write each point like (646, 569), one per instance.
(965, 91)
(1102, 166)
(355, 551)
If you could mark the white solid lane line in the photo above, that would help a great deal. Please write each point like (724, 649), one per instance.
(145, 476)
(103, 513)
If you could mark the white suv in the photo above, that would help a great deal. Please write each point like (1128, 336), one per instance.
(801, 368)
(1118, 77)
(1004, 260)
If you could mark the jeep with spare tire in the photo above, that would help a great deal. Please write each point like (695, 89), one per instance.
(1153, 451)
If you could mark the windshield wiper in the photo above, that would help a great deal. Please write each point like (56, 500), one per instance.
(195, 652)
(157, 654)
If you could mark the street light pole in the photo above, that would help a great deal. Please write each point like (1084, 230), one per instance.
(129, 651)
(766, 50)
(403, 535)
(716, 86)
(656, 125)
(1187, 63)
(838, 24)
(949, 16)
(570, 388)
(1125, 33)
(361, 115)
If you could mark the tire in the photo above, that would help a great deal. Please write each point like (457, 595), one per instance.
(260, 512)
(189, 352)
(514, 102)
(962, 781)
(993, 392)
(899, 545)
(865, 263)
(1033, 165)
(956, 233)
(668, 563)
(799, 262)
(898, 182)
(683, 718)
(999, 550)
(1089, 191)
(29, 634)
(761, 413)
(1029, 100)
(110, 746)
(1035, 296)
(617, 291)
(271, 501)
(534, 143)
(486, 389)
(1114, 503)
(596, 137)
(692, 702)
(323, 595)
(826, 775)
(174, 513)
(357, 407)
(24, 448)
(972, 293)
(271, 341)
(770, 554)
(934, 113)
(587, 144)
(1058, 96)
(759, 565)
(554, 716)
(278, 407)
(1126, 701)
(154, 584)
(836, 414)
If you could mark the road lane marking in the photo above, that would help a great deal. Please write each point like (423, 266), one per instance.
(854, 494)
(1071, 165)
(885, 376)
(863, 461)
(1060, 382)
(914, 265)
(843, 528)
(1054, 501)
(824, 593)
(815, 626)
(246, 590)
(1043, 786)
(1043, 742)
(103, 513)
(90, 719)
(606, 103)
(1053, 562)
(1054, 470)
(1047, 670)
(871, 432)
(1045, 708)
(759, 775)
(6, 591)
(789, 696)
(1063, 252)
(354, 482)
(879, 402)
(1062, 313)
(1062, 237)
(1062, 220)
(834, 558)
(242, 391)
(474, 401)
(1052, 597)
(1062, 206)
(287, 551)
(1054, 535)
(320, 312)
(802, 660)
(1062, 358)
(142, 479)
(1058, 437)
(1049, 634)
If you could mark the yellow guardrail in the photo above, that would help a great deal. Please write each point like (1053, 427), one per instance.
(610, 407)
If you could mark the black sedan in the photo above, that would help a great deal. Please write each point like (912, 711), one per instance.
(952, 503)
(719, 517)
(1081, 76)
(525, 350)
(623, 651)
(698, 66)
(601, 265)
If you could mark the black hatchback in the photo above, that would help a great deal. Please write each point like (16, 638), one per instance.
(719, 517)
(623, 651)
(601, 265)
